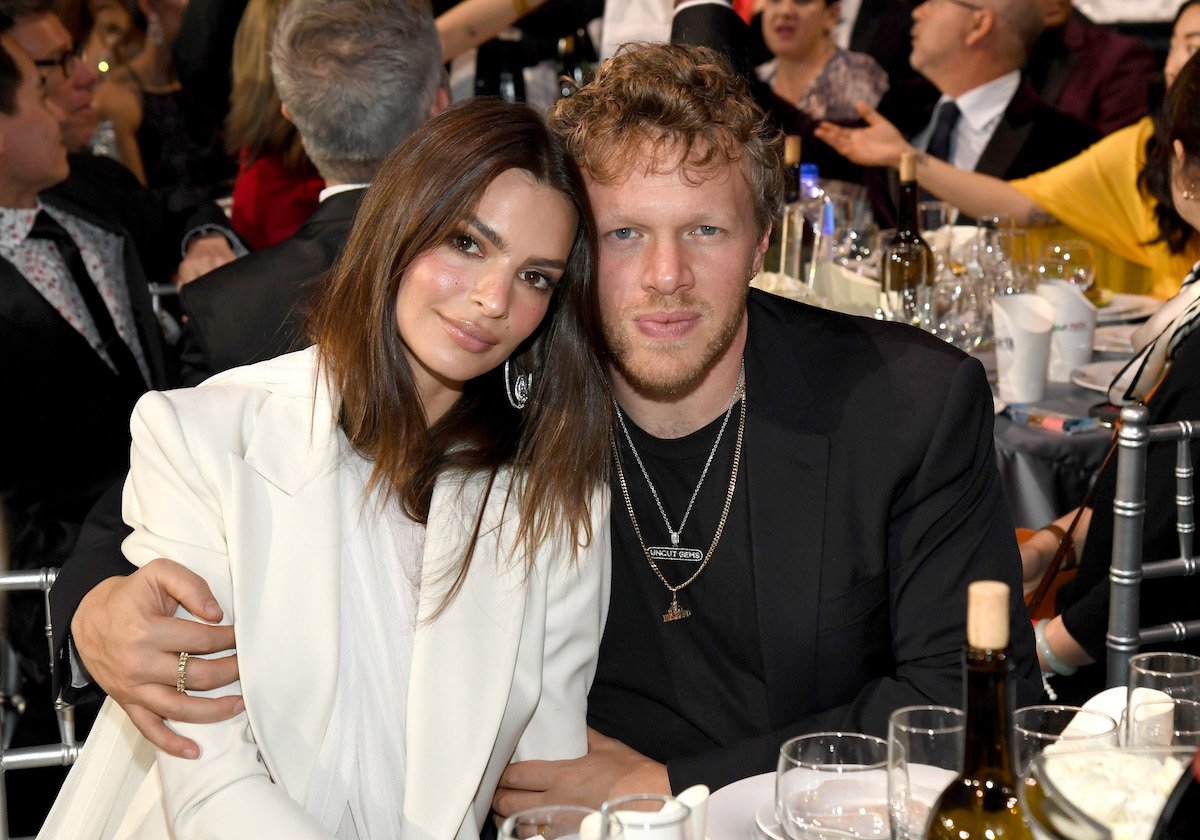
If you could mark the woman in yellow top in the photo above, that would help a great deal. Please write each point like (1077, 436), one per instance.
(1115, 192)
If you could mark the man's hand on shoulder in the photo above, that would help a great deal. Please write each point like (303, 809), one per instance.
(609, 769)
(128, 638)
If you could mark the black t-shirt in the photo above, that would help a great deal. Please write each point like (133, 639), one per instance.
(675, 689)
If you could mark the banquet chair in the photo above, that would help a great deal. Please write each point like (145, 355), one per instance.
(1128, 568)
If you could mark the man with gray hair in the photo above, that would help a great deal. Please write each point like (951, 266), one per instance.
(356, 77)
(987, 117)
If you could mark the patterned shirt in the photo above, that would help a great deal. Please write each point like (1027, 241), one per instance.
(40, 263)
(845, 78)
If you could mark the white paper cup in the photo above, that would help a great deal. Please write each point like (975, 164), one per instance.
(1074, 328)
(1023, 326)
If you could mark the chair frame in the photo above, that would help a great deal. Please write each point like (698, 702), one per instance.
(1129, 513)
(64, 753)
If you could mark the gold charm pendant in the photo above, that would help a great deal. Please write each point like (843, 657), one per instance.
(675, 612)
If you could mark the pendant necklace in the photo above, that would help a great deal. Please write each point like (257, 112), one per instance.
(675, 552)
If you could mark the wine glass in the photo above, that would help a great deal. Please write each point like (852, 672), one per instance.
(833, 785)
(1153, 676)
(560, 821)
(1041, 728)
(1072, 261)
(650, 816)
(925, 752)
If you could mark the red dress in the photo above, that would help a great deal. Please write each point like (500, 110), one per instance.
(270, 201)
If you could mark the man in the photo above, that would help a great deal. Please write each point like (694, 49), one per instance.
(69, 79)
(1096, 75)
(987, 118)
(834, 545)
(354, 91)
(852, 492)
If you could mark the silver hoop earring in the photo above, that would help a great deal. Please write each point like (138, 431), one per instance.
(518, 393)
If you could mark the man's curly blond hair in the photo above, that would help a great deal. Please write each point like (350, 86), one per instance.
(666, 106)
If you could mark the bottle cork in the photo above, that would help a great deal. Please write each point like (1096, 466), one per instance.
(791, 150)
(987, 615)
(908, 166)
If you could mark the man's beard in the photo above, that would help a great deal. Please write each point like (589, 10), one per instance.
(691, 364)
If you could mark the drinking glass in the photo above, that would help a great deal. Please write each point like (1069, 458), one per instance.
(925, 752)
(932, 216)
(1165, 722)
(560, 821)
(650, 816)
(1152, 675)
(1041, 728)
(1071, 260)
(832, 785)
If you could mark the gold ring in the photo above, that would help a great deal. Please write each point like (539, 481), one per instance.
(181, 681)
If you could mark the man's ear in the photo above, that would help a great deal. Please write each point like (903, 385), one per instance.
(441, 101)
(983, 26)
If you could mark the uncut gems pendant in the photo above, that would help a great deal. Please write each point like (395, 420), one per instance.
(675, 612)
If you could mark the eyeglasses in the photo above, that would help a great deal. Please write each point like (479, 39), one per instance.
(67, 62)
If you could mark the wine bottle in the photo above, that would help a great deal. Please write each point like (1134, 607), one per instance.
(907, 261)
(773, 259)
(982, 801)
(1180, 818)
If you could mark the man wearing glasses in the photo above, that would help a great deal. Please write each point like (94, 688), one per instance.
(69, 80)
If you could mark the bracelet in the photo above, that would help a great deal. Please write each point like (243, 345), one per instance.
(1048, 654)
(1070, 561)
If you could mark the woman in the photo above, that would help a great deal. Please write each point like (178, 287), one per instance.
(415, 565)
(277, 188)
(809, 70)
(1114, 192)
(1074, 638)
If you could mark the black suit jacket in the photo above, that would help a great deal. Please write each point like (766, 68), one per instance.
(874, 500)
(253, 308)
(66, 423)
(248, 310)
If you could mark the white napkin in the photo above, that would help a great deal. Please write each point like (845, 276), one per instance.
(1074, 328)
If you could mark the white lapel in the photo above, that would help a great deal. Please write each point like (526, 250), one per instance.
(285, 519)
(463, 662)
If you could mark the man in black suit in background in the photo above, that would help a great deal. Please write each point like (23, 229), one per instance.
(353, 93)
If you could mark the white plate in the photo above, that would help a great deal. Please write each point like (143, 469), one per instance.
(1098, 375)
(1128, 308)
(732, 809)
(1114, 338)
(766, 823)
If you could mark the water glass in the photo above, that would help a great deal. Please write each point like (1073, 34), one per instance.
(925, 753)
(1165, 722)
(1054, 728)
(1174, 674)
(560, 821)
(832, 785)
(650, 816)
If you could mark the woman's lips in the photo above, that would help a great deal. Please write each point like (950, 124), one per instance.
(469, 335)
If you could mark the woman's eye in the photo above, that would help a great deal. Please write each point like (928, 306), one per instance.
(538, 280)
(466, 243)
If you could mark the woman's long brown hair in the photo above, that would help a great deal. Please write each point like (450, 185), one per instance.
(422, 196)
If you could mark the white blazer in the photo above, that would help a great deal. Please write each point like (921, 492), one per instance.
(238, 480)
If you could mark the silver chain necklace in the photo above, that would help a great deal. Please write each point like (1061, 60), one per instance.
(675, 552)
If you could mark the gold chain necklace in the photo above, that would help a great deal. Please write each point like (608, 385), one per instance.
(674, 611)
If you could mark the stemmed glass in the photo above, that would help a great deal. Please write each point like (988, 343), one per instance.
(1072, 261)
(650, 816)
